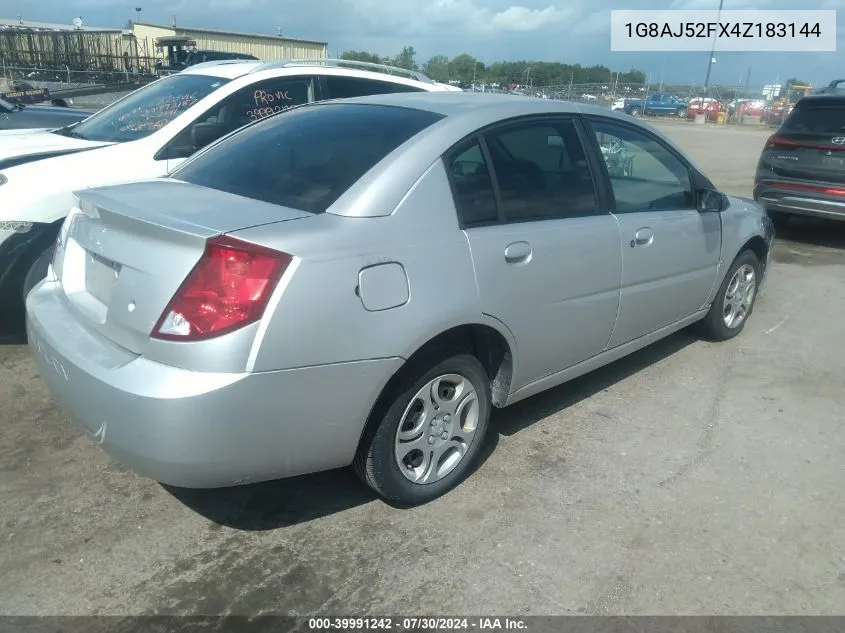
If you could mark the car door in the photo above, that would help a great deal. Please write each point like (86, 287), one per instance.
(670, 250)
(545, 249)
(252, 103)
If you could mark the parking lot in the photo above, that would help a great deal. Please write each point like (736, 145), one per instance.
(688, 478)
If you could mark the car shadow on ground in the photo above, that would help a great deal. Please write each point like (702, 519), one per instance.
(288, 502)
(523, 414)
(813, 231)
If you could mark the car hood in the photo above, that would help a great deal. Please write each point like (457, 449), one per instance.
(40, 141)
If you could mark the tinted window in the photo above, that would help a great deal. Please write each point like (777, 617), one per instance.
(819, 118)
(542, 171)
(307, 158)
(472, 185)
(643, 172)
(348, 87)
(148, 109)
(253, 103)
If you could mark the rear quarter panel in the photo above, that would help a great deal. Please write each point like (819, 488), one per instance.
(320, 318)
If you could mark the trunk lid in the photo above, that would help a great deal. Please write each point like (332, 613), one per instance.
(125, 250)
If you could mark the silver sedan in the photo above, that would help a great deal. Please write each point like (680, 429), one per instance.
(361, 282)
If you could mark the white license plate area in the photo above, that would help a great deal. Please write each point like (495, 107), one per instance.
(100, 277)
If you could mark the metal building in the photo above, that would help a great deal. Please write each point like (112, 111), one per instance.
(264, 47)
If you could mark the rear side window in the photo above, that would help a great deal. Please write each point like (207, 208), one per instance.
(306, 158)
(542, 171)
(348, 87)
(817, 118)
(472, 185)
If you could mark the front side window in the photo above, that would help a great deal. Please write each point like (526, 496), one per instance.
(147, 110)
(644, 173)
(307, 158)
(542, 171)
(253, 103)
(347, 87)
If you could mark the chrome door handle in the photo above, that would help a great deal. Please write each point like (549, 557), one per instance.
(518, 252)
(643, 237)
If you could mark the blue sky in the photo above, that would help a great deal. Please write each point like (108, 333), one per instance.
(571, 31)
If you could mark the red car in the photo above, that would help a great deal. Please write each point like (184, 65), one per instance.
(707, 106)
(750, 107)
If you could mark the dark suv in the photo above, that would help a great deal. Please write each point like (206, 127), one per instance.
(802, 167)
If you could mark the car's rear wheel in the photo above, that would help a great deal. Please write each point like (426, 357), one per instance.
(430, 428)
(682, 113)
(735, 299)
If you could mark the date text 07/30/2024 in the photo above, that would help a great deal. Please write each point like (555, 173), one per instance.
(417, 624)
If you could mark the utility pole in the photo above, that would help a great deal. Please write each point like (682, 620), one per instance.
(747, 81)
(712, 52)
(662, 69)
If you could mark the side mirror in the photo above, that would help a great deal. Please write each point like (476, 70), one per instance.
(203, 134)
(710, 201)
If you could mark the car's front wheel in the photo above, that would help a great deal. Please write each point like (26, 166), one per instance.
(432, 425)
(636, 112)
(735, 299)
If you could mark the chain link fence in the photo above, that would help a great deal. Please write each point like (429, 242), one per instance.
(725, 105)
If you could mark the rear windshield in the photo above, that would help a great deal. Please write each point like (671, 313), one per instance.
(819, 118)
(308, 157)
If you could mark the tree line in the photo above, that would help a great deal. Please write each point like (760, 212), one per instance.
(465, 68)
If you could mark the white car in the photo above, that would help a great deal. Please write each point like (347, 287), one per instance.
(146, 135)
(618, 105)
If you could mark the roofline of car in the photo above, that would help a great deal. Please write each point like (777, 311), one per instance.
(252, 67)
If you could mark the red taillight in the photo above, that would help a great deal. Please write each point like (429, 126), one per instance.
(228, 288)
(779, 141)
(799, 187)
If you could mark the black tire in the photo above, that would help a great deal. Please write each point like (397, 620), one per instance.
(682, 113)
(713, 326)
(636, 112)
(37, 271)
(376, 461)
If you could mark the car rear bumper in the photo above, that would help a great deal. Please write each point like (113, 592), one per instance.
(800, 201)
(196, 429)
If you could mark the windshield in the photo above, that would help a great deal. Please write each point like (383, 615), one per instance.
(305, 158)
(146, 110)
